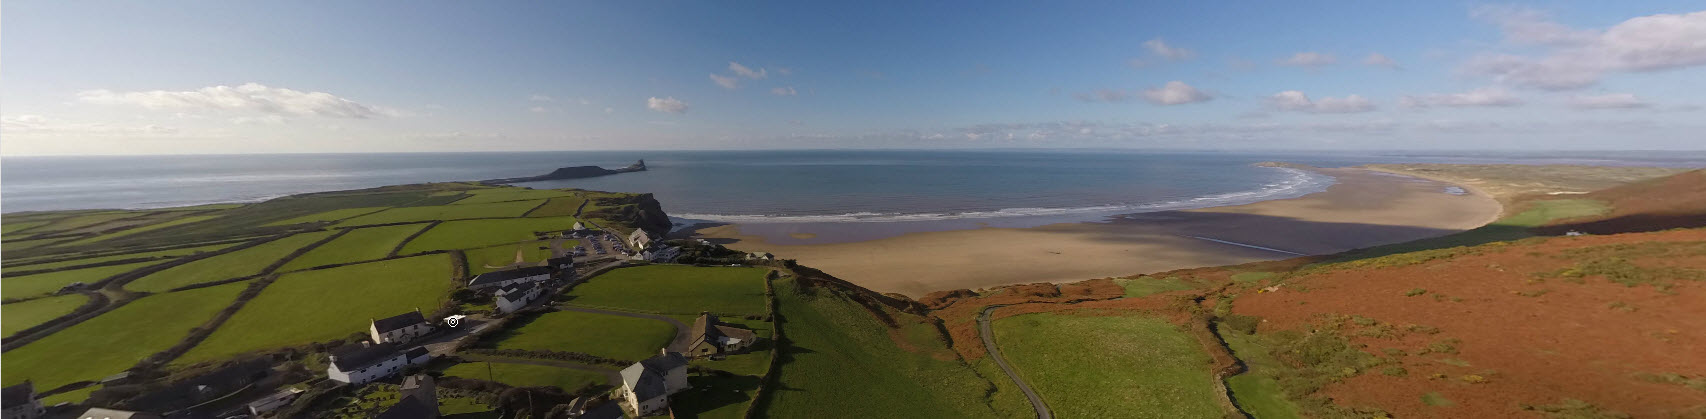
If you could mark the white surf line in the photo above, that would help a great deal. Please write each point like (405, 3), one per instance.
(1270, 249)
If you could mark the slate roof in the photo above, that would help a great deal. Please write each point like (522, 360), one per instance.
(350, 359)
(100, 413)
(19, 394)
(418, 352)
(564, 259)
(411, 407)
(646, 377)
(399, 321)
(707, 328)
(505, 275)
(608, 410)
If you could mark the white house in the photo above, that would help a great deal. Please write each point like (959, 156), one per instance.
(514, 297)
(639, 239)
(496, 279)
(100, 413)
(648, 384)
(369, 362)
(400, 328)
(21, 402)
(712, 337)
(273, 401)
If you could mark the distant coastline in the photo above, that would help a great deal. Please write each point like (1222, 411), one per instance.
(573, 172)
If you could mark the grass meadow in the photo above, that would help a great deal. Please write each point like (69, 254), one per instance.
(524, 375)
(47, 283)
(676, 289)
(469, 234)
(1095, 366)
(113, 342)
(1257, 390)
(236, 264)
(310, 306)
(486, 196)
(605, 335)
(504, 255)
(142, 229)
(23, 315)
(358, 245)
(106, 258)
(333, 215)
(558, 207)
(443, 212)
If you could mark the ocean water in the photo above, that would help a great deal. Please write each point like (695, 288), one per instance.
(751, 186)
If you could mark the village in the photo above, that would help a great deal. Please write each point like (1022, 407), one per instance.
(408, 352)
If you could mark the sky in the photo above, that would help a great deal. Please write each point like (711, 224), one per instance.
(216, 77)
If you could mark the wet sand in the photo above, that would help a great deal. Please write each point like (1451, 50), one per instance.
(1365, 208)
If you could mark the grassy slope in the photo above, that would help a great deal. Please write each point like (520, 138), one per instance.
(8, 227)
(333, 215)
(361, 244)
(236, 264)
(755, 361)
(114, 341)
(520, 375)
(676, 289)
(443, 212)
(715, 397)
(470, 234)
(47, 283)
(1145, 285)
(1257, 390)
(839, 361)
(504, 255)
(1127, 366)
(320, 305)
(20, 316)
(159, 253)
(486, 196)
(558, 207)
(1512, 227)
(142, 229)
(597, 334)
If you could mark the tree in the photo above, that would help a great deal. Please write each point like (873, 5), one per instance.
(561, 411)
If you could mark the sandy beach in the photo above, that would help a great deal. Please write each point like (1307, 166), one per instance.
(1364, 208)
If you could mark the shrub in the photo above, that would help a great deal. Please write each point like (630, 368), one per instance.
(1241, 323)
(1415, 292)
(1395, 371)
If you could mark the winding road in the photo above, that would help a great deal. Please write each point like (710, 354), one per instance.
(994, 352)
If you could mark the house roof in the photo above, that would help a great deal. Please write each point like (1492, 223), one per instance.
(561, 259)
(505, 275)
(707, 328)
(100, 413)
(354, 358)
(413, 406)
(608, 410)
(646, 377)
(399, 321)
(517, 290)
(18, 394)
(418, 352)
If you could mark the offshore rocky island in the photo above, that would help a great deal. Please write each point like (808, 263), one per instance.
(574, 172)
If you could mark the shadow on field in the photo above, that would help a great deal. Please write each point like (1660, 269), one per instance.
(711, 392)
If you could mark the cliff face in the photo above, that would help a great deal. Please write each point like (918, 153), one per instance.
(642, 211)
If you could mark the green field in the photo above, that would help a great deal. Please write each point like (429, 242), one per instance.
(757, 358)
(504, 255)
(523, 375)
(236, 264)
(14, 246)
(471, 234)
(1257, 390)
(47, 283)
(444, 212)
(558, 207)
(23, 315)
(80, 221)
(715, 397)
(9, 227)
(333, 215)
(1512, 227)
(358, 245)
(1126, 366)
(605, 335)
(1146, 285)
(486, 196)
(142, 229)
(99, 259)
(676, 289)
(840, 361)
(320, 305)
(113, 342)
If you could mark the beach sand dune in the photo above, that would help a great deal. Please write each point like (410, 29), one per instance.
(1364, 208)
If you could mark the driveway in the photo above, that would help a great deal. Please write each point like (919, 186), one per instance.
(995, 352)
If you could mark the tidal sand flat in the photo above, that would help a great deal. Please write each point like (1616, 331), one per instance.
(1364, 208)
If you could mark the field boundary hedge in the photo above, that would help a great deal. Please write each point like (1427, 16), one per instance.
(769, 377)
(200, 333)
(412, 237)
(96, 301)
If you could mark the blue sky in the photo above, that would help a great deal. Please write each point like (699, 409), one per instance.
(243, 77)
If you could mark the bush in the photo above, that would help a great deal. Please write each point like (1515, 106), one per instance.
(1415, 292)
(1241, 323)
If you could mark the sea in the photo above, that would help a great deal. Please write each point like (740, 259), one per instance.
(754, 187)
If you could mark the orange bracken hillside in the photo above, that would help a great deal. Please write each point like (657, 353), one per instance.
(1677, 201)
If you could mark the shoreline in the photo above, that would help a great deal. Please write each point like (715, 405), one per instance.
(1363, 208)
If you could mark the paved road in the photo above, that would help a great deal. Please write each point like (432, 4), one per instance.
(681, 337)
(994, 352)
(614, 377)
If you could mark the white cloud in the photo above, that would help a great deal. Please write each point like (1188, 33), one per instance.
(258, 120)
(1309, 59)
(784, 91)
(1296, 101)
(1486, 96)
(1608, 101)
(1159, 47)
(251, 97)
(1380, 60)
(538, 109)
(1175, 93)
(725, 81)
(743, 71)
(1575, 59)
(541, 98)
(668, 104)
(785, 71)
(37, 125)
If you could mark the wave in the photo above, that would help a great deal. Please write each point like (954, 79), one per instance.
(1298, 183)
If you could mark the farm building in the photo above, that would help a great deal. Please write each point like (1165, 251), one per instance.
(21, 402)
(561, 263)
(515, 296)
(418, 399)
(495, 279)
(273, 401)
(764, 256)
(400, 328)
(100, 413)
(369, 362)
(711, 337)
(640, 239)
(648, 384)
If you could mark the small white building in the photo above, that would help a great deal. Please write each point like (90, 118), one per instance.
(370, 362)
(273, 401)
(102, 413)
(400, 328)
(639, 239)
(21, 402)
(497, 279)
(648, 384)
(514, 297)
